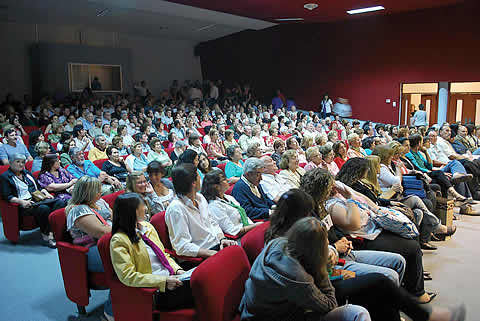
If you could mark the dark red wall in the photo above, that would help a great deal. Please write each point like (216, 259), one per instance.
(364, 60)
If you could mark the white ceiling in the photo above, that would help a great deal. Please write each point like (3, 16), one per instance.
(154, 18)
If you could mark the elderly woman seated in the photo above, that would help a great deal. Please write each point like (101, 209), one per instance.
(279, 149)
(291, 172)
(328, 156)
(234, 167)
(41, 149)
(292, 143)
(314, 158)
(137, 161)
(254, 150)
(226, 211)
(18, 186)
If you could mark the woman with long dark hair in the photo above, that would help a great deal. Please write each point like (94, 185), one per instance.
(139, 258)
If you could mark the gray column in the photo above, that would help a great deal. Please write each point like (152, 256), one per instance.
(442, 102)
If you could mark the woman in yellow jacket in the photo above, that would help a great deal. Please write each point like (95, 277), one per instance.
(139, 258)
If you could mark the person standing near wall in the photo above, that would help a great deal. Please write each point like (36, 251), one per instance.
(420, 117)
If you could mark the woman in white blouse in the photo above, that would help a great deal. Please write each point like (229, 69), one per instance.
(224, 209)
(291, 172)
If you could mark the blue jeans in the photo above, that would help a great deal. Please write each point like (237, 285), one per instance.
(477, 152)
(94, 264)
(454, 166)
(392, 265)
(348, 312)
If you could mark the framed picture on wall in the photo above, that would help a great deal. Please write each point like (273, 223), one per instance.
(97, 77)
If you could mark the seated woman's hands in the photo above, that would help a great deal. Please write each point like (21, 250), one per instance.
(47, 194)
(343, 246)
(226, 243)
(173, 283)
(25, 204)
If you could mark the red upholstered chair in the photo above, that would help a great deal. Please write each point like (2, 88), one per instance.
(302, 165)
(35, 174)
(99, 162)
(85, 154)
(204, 146)
(110, 198)
(165, 143)
(29, 129)
(158, 221)
(218, 285)
(25, 140)
(201, 131)
(229, 191)
(54, 145)
(169, 151)
(131, 303)
(222, 166)
(73, 263)
(12, 222)
(254, 241)
(28, 165)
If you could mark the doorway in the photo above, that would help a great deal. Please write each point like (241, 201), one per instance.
(464, 103)
(414, 94)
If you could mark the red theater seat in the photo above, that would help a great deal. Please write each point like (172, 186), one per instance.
(254, 241)
(218, 285)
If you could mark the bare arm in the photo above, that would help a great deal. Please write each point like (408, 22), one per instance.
(92, 226)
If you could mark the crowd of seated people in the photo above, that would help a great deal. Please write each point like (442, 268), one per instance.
(221, 165)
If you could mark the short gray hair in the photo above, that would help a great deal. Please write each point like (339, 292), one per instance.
(99, 136)
(351, 137)
(231, 150)
(74, 151)
(252, 164)
(15, 156)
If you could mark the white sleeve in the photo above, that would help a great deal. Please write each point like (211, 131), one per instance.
(386, 178)
(130, 160)
(179, 234)
(222, 218)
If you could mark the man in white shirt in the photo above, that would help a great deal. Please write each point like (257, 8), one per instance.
(193, 232)
(246, 139)
(420, 117)
(273, 185)
(124, 119)
(213, 91)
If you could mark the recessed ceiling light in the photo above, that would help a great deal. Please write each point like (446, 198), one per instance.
(289, 19)
(103, 12)
(205, 27)
(363, 10)
(310, 6)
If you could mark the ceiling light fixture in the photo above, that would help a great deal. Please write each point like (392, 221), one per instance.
(310, 6)
(289, 19)
(363, 10)
(103, 12)
(205, 27)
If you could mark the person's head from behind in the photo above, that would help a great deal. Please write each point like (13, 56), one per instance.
(128, 210)
(319, 184)
(385, 152)
(77, 156)
(136, 183)
(189, 157)
(353, 170)
(421, 107)
(50, 162)
(156, 171)
(214, 184)
(253, 169)
(293, 205)
(300, 237)
(86, 191)
(185, 179)
(416, 141)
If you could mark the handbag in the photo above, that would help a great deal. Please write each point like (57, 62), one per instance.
(396, 222)
(38, 196)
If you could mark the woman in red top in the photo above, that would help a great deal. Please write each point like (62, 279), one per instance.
(215, 149)
(340, 150)
(334, 127)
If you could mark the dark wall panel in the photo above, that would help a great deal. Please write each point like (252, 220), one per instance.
(50, 65)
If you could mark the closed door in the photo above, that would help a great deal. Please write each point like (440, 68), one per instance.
(464, 108)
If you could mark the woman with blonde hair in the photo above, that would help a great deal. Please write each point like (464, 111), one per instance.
(87, 215)
(291, 172)
(41, 149)
(307, 142)
(137, 183)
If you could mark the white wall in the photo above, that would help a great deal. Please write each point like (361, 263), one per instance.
(156, 60)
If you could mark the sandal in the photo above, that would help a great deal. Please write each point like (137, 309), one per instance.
(432, 296)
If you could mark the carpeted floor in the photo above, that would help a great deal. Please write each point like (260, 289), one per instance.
(32, 285)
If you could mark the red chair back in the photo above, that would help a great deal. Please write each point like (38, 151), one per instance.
(165, 143)
(254, 241)
(218, 284)
(204, 146)
(229, 191)
(25, 140)
(158, 221)
(201, 131)
(222, 166)
(85, 154)
(35, 174)
(28, 165)
(169, 151)
(110, 198)
(302, 165)
(99, 162)
(29, 129)
(3, 169)
(58, 224)
(54, 145)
